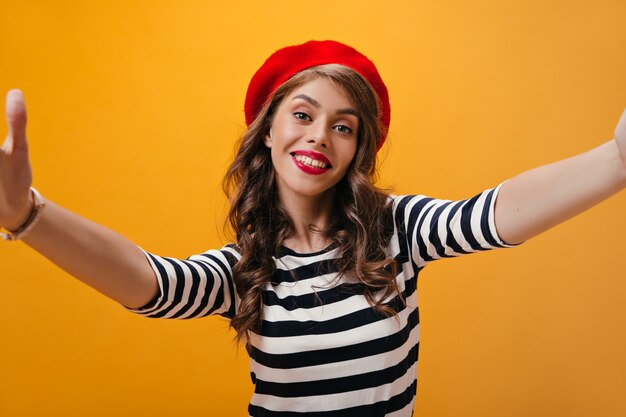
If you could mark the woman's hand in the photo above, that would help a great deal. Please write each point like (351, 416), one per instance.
(92, 253)
(15, 172)
(620, 138)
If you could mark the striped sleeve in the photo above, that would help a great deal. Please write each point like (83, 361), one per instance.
(199, 286)
(434, 229)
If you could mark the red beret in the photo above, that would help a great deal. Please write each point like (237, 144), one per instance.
(286, 62)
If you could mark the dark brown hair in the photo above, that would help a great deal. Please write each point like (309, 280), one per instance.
(360, 224)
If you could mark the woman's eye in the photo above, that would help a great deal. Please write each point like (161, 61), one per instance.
(343, 129)
(301, 116)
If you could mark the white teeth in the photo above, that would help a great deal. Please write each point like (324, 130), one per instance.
(311, 162)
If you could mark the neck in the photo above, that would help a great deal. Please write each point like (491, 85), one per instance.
(310, 217)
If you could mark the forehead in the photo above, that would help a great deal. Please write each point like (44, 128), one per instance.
(324, 91)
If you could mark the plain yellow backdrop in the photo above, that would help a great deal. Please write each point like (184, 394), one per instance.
(134, 108)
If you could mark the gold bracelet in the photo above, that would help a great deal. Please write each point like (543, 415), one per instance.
(31, 221)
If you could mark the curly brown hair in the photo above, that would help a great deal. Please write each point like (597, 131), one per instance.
(361, 223)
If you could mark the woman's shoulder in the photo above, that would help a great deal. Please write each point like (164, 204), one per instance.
(230, 253)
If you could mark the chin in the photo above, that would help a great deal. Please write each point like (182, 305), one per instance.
(310, 192)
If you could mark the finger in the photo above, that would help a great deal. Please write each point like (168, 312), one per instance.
(620, 130)
(7, 146)
(16, 120)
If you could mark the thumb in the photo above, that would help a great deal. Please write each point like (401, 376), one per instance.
(16, 121)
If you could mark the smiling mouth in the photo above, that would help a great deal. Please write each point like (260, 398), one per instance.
(310, 162)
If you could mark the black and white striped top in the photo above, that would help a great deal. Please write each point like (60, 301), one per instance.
(322, 350)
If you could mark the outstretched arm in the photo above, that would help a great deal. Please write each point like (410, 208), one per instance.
(541, 198)
(94, 254)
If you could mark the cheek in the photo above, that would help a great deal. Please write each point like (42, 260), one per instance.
(280, 159)
(289, 132)
(283, 128)
(350, 152)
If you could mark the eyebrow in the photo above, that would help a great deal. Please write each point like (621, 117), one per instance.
(316, 104)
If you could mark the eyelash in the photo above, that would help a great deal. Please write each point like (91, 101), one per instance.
(305, 117)
(298, 115)
(344, 129)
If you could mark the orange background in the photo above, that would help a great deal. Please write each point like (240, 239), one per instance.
(134, 108)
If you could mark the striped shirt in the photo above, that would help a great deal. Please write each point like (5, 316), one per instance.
(322, 350)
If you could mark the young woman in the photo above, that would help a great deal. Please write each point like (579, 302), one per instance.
(320, 284)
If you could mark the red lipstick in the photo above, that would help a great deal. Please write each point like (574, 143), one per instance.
(311, 162)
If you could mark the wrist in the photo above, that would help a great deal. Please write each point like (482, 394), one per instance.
(37, 206)
(621, 156)
(23, 217)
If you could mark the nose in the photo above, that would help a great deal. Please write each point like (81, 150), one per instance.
(318, 134)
